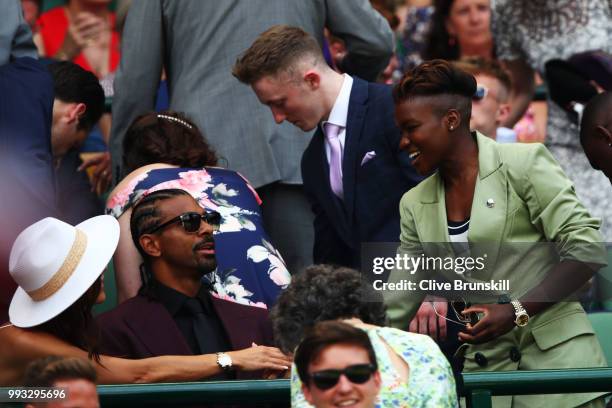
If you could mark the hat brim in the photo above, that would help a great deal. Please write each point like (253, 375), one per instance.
(102, 237)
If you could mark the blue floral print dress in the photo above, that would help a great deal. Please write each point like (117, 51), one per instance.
(250, 270)
(430, 380)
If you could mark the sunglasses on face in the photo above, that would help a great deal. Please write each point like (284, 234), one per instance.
(481, 93)
(357, 374)
(191, 221)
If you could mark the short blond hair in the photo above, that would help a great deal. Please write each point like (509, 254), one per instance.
(276, 50)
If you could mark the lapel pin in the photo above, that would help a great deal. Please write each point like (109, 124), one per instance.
(490, 203)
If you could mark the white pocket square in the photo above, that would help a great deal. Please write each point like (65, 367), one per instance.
(368, 156)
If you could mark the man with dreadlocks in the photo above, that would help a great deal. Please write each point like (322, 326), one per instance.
(174, 313)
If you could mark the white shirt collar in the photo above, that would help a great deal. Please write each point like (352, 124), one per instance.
(339, 112)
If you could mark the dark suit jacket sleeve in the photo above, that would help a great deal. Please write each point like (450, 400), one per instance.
(393, 135)
(137, 78)
(367, 35)
(27, 181)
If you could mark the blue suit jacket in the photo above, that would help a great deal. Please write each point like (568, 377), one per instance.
(27, 182)
(372, 191)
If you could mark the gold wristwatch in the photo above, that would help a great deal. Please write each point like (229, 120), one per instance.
(522, 318)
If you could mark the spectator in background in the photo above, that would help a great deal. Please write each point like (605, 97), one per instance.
(82, 32)
(414, 372)
(528, 34)
(491, 102)
(337, 366)
(337, 48)
(388, 9)
(15, 34)
(168, 150)
(596, 133)
(78, 105)
(596, 140)
(47, 113)
(31, 12)
(199, 41)
(27, 178)
(414, 28)
(76, 377)
(460, 28)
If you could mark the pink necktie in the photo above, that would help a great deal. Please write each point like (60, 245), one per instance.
(335, 158)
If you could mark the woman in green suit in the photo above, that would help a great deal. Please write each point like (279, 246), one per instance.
(516, 203)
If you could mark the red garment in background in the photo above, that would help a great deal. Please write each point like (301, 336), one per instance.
(53, 25)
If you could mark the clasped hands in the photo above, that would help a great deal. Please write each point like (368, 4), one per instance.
(495, 320)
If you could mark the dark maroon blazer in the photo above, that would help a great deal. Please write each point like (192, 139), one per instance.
(140, 328)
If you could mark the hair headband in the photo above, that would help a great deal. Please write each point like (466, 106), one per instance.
(177, 120)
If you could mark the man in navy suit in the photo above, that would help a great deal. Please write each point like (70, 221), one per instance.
(45, 111)
(174, 313)
(353, 170)
(27, 181)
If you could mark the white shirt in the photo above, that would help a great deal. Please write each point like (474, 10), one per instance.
(339, 113)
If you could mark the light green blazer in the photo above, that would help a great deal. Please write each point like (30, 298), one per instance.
(530, 200)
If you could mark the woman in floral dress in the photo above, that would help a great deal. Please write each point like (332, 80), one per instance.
(166, 150)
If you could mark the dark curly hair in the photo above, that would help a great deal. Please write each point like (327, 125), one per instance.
(319, 293)
(76, 325)
(154, 138)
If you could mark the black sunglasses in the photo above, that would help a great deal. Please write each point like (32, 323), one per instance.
(357, 374)
(481, 93)
(191, 221)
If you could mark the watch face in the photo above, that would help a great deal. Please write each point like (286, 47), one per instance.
(522, 319)
(225, 360)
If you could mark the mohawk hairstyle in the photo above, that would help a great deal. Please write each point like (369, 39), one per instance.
(438, 79)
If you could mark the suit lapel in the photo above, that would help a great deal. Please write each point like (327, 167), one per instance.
(487, 221)
(354, 128)
(490, 206)
(242, 325)
(431, 222)
(156, 330)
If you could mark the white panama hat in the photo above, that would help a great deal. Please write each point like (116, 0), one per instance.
(55, 263)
